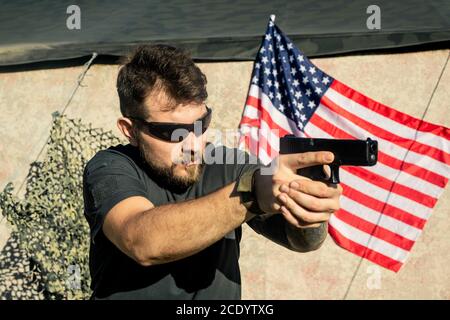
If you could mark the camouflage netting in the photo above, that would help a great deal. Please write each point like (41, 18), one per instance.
(46, 256)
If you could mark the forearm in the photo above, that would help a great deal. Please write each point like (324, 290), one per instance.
(306, 239)
(175, 231)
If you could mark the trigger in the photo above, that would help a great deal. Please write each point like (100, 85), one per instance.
(334, 178)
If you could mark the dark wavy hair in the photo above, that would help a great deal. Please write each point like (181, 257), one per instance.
(158, 67)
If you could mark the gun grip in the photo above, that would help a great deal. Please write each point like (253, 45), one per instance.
(334, 178)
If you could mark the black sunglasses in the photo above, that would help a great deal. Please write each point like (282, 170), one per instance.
(165, 130)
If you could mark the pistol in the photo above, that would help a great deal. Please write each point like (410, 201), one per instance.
(346, 152)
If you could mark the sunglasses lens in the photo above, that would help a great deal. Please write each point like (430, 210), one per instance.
(179, 132)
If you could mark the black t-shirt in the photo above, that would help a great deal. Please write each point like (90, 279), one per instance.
(118, 173)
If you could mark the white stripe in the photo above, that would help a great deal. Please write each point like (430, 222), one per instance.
(262, 154)
(387, 147)
(272, 137)
(369, 241)
(372, 216)
(385, 196)
(251, 112)
(277, 117)
(387, 123)
(385, 171)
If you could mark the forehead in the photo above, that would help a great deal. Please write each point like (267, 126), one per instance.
(160, 108)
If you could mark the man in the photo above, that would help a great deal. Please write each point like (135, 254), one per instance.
(165, 224)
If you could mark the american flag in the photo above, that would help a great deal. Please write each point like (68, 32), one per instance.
(383, 208)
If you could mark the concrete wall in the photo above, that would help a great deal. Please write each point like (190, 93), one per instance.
(403, 81)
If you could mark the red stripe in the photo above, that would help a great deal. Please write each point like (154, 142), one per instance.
(250, 122)
(375, 230)
(384, 158)
(363, 251)
(390, 113)
(412, 145)
(383, 208)
(394, 187)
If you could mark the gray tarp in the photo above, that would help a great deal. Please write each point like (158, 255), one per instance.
(33, 31)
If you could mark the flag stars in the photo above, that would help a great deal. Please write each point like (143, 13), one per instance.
(273, 61)
(301, 106)
(311, 104)
(302, 68)
(269, 83)
(268, 37)
(257, 65)
(266, 71)
(275, 72)
(315, 80)
(293, 71)
(295, 83)
(281, 108)
(300, 58)
(318, 90)
(305, 80)
(291, 58)
(255, 80)
(303, 118)
(270, 47)
(325, 80)
(290, 46)
(264, 60)
(312, 70)
(262, 50)
(297, 94)
(277, 85)
(308, 92)
(271, 95)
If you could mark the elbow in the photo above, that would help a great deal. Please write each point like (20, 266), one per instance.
(143, 254)
(306, 247)
(308, 239)
(144, 258)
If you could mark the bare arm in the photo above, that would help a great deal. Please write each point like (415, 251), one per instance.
(155, 235)
(276, 228)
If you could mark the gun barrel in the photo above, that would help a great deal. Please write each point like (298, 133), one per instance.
(346, 152)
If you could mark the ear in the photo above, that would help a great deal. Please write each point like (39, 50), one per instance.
(126, 127)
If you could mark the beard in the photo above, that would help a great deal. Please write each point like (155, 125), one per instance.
(169, 176)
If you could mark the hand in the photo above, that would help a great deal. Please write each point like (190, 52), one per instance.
(302, 201)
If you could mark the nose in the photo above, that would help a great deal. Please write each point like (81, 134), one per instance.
(192, 146)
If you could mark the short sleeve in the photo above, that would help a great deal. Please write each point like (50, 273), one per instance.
(241, 162)
(108, 179)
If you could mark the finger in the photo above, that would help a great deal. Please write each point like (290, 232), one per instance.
(316, 188)
(306, 159)
(291, 219)
(296, 222)
(300, 213)
(312, 203)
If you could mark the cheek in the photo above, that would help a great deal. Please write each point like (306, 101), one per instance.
(163, 151)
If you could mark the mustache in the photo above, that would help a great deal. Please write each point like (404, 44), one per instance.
(190, 156)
